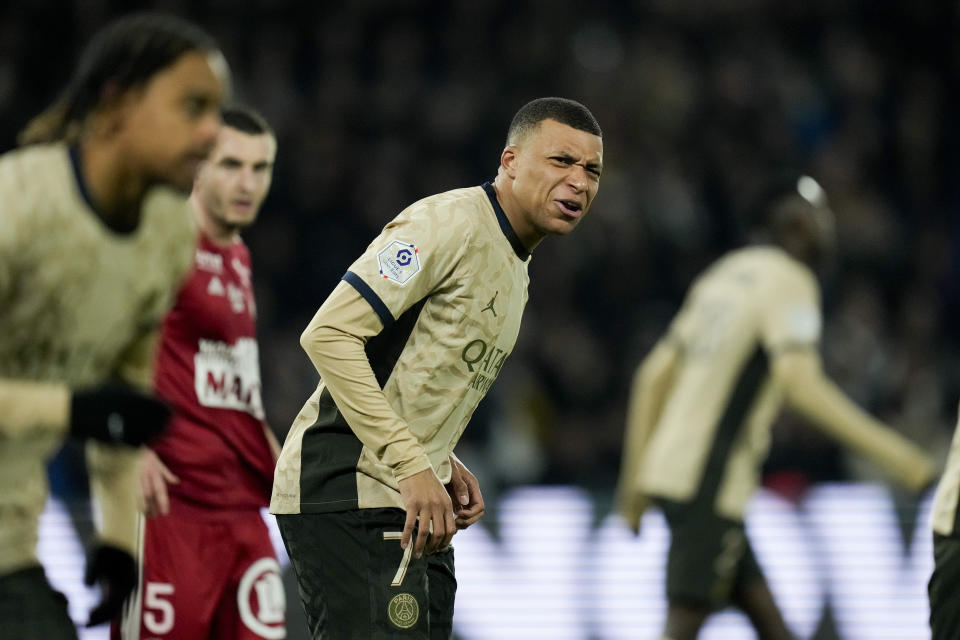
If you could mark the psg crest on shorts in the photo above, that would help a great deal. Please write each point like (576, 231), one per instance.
(403, 610)
(399, 261)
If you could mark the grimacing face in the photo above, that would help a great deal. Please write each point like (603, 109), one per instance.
(233, 182)
(171, 123)
(555, 170)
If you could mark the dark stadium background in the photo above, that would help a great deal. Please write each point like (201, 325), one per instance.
(378, 103)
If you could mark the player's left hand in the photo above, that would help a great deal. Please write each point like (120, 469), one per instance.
(465, 495)
(116, 572)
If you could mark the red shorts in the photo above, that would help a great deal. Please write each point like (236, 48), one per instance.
(205, 575)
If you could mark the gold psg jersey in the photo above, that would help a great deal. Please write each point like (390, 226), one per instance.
(436, 301)
(714, 430)
(76, 299)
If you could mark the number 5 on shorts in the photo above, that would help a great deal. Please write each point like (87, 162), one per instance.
(162, 621)
(404, 561)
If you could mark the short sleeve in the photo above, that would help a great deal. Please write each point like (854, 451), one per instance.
(791, 314)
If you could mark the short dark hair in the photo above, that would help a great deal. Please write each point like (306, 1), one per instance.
(245, 120)
(563, 110)
(125, 54)
(763, 201)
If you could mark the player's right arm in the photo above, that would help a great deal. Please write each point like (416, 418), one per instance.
(649, 391)
(414, 255)
(26, 407)
(29, 407)
(820, 400)
(113, 414)
(334, 340)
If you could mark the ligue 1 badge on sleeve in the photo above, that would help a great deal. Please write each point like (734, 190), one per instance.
(399, 261)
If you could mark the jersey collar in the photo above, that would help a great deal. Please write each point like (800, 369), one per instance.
(76, 163)
(508, 231)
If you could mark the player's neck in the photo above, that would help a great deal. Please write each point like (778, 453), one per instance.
(219, 234)
(114, 189)
(528, 236)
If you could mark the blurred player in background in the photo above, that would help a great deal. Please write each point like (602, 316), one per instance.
(208, 566)
(407, 345)
(704, 399)
(944, 587)
(95, 239)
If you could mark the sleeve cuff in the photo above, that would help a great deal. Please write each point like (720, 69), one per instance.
(370, 296)
(405, 470)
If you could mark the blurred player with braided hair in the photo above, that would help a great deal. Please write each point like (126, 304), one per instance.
(95, 239)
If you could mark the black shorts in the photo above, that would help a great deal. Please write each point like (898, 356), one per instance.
(30, 609)
(356, 582)
(943, 588)
(710, 556)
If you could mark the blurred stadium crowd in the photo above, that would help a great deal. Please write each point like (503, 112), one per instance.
(378, 103)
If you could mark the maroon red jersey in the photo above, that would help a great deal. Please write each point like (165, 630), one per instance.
(208, 369)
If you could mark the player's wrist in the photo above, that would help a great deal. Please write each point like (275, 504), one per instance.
(116, 414)
(406, 470)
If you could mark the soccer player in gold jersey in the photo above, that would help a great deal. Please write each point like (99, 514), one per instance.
(95, 239)
(406, 346)
(703, 401)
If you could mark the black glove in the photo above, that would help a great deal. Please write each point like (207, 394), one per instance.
(116, 572)
(117, 414)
